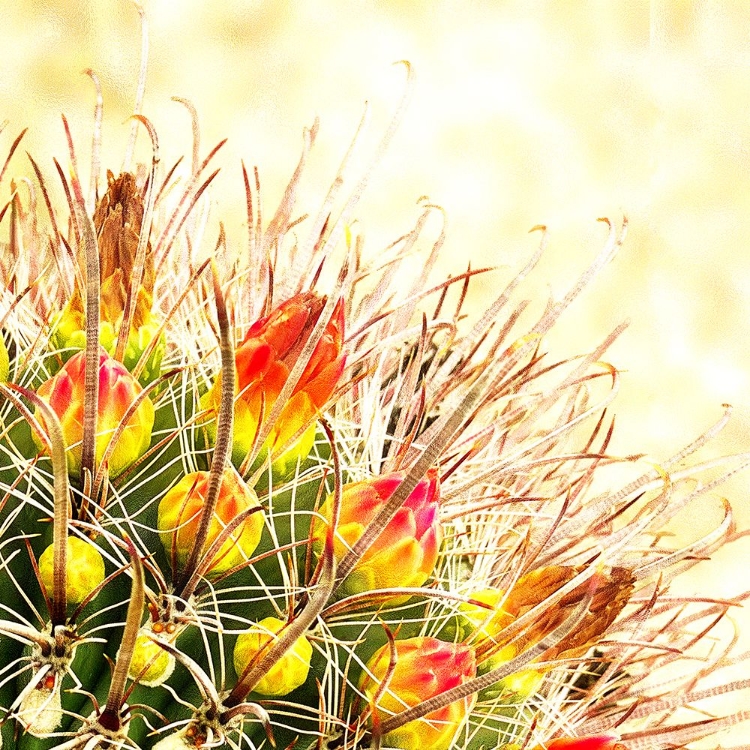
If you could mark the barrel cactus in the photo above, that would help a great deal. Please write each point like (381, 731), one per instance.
(282, 493)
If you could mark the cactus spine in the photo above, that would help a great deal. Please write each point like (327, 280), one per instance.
(287, 496)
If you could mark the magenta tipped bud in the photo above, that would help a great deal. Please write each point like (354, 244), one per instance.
(425, 668)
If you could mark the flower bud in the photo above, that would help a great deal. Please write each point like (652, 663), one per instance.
(425, 668)
(118, 389)
(180, 511)
(69, 337)
(178, 740)
(263, 362)
(515, 687)
(481, 626)
(85, 569)
(600, 742)
(288, 673)
(405, 552)
(151, 665)
(488, 621)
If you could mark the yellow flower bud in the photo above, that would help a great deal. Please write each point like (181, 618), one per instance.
(180, 512)
(175, 741)
(149, 656)
(485, 621)
(4, 362)
(288, 673)
(516, 687)
(85, 569)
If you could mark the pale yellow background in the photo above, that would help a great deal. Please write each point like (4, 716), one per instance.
(523, 113)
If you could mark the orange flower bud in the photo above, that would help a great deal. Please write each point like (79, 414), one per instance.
(263, 362)
(180, 511)
(405, 552)
(425, 667)
(118, 389)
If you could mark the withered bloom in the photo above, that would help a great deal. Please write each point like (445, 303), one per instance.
(484, 623)
(118, 221)
(612, 592)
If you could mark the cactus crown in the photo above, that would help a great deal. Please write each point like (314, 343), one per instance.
(283, 495)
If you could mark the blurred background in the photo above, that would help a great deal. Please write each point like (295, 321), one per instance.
(523, 113)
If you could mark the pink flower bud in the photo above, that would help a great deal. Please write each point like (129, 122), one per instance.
(405, 552)
(180, 512)
(263, 362)
(425, 668)
(118, 389)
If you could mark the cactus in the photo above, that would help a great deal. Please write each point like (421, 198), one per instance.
(283, 494)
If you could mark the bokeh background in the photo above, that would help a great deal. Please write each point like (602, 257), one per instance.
(523, 113)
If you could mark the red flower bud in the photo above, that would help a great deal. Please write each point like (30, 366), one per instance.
(600, 742)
